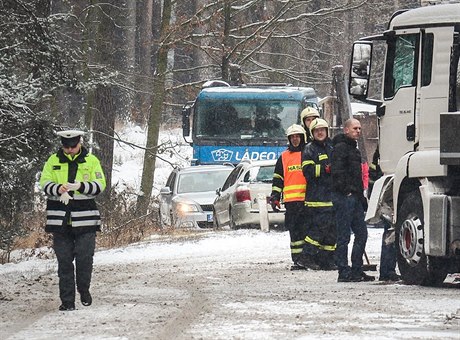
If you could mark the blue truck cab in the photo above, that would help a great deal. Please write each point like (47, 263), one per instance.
(248, 122)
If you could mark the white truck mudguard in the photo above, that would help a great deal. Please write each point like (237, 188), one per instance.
(383, 185)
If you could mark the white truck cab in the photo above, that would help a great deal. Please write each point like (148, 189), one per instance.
(419, 130)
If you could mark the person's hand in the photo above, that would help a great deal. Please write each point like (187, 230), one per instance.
(62, 189)
(73, 186)
(275, 205)
(327, 168)
(65, 198)
(364, 202)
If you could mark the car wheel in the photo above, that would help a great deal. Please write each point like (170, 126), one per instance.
(415, 267)
(215, 222)
(172, 220)
(231, 220)
(163, 219)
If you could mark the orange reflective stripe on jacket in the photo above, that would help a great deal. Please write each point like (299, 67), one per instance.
(294, 180)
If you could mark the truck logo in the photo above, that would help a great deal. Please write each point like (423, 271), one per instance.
(222, 155)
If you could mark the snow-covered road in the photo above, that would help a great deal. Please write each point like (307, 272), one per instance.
(221, 285)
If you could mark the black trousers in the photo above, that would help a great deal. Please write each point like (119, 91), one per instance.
(70, 246)
(321, 234)
(295, 222)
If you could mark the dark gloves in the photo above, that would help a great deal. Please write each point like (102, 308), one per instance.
(275, 203)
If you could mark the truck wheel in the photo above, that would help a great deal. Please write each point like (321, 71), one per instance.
(415, 267)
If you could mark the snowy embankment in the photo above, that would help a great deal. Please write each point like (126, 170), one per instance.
(128, 159)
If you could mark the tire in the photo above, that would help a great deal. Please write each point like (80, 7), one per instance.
(231, 221)
(215, 223)
(416, 268)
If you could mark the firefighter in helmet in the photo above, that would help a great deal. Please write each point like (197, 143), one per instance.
(320, 241)
(289, 186)
(308, 115)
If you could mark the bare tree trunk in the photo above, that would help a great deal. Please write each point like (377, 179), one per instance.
(144, 15)
(225, 41)
(103, 113)
(148, 171)
(104, 121)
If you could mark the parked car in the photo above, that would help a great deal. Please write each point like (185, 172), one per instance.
(186, 200)
(236, 204)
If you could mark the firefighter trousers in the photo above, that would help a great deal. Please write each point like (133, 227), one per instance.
(320, 241)
(295, 223)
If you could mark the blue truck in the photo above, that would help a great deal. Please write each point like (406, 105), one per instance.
(229, 124)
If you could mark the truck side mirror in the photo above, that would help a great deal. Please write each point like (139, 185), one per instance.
(360, 69)
(186, 112)
(410, 132)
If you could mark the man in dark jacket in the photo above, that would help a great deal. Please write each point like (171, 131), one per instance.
(320, 241)
(349, 202)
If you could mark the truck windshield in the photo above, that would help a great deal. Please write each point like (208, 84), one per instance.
(244, 119)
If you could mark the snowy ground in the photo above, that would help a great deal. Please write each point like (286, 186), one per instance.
(221, 285)
(216, 285)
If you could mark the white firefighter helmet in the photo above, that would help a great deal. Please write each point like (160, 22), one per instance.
(319, 123)
(296, 129)
(308, 112)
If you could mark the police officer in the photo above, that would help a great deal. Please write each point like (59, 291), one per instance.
(71, 179)
(289, 185)
(320, 242)
(308, 115)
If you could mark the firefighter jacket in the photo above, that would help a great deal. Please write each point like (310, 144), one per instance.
(346, 166)
(288, 178)
(316, 159)
(81, 212)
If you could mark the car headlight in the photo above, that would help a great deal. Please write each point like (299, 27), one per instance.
(185, 207)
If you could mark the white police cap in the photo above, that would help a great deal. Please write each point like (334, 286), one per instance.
(70, 133)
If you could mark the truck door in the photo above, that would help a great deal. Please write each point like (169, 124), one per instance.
(436, 47)
(399, 98)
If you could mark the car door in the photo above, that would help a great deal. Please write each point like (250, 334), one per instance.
(223, 200)
(166, 195)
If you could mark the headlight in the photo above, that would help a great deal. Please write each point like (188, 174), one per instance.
(185, 207)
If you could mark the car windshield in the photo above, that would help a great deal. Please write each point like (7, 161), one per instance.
(202, 181)
(260, 174)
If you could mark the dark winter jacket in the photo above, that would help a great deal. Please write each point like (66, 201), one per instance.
(316, 159)
(346, 166)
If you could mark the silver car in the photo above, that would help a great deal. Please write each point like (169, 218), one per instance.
(186, 200)
(237, 202)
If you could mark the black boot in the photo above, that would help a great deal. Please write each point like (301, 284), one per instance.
(85, 298)
(67, 306)
(309, 262)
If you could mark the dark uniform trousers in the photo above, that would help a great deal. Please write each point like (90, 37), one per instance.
(295, 223)
(321, 238)
(68, 246)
